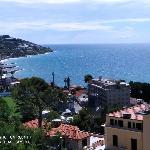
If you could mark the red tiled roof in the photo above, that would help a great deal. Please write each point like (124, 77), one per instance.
(65, 91)
(80, 92)
(33, 124)
(133, 111)
(69, 131)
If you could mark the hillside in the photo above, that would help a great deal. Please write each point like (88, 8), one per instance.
(13, 47)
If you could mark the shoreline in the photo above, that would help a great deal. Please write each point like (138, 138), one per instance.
(27, 56)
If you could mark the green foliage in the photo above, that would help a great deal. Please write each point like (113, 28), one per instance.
(52, 115)
(114, 108)
(85, 121)
(13, 135)
(31, 97)
(82, 120)
(8, 109)
(140, 90)
(88, 78)
(55, 141)
(21, 138)
(34, 95)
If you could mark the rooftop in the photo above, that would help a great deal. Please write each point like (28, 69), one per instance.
(109, 82)
(80, 92)
(69, 131)
(32, 124)
(136, 112)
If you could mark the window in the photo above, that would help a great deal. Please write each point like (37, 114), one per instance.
(112, 122)
(120, 123)
(133, 124)
(133, 144)
(139, 126)
(84, 142)
(115, 140)
(115, 122)
(129, 124)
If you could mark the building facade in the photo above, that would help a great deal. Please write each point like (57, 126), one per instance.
(128, 129)
(108, 92)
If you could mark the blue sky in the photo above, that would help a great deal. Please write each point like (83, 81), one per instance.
(76, 21)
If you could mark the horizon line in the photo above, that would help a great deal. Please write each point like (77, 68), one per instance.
(93, 43)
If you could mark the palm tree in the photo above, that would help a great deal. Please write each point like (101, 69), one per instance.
(65, 80)
(68, 83)
(88, 78)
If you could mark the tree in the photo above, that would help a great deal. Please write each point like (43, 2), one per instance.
(33, 95)
(140, 90)
(88, 122)
(83, 120)
(8, 112)
(68, 83)
(13, 135)
(1, 73)
(52, 115)
(88, 78)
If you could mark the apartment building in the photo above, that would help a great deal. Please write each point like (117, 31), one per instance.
(108, 92)
(128, 129)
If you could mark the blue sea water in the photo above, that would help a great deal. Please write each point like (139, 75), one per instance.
(118, 61)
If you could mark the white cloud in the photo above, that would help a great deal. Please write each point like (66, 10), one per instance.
(79, 26)
(27, 2)
(103, 25)
(134, 20)
(68, 1)
(125, 33)
(41, 1)
(43, 25)
(113, 1)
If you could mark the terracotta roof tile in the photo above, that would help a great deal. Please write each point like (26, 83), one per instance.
(32, 124)
(133, 111)
(80, 92)
(69, 131)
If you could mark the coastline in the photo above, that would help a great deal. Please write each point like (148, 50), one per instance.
(7, 61)
(27, 56)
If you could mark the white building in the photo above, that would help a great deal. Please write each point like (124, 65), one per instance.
(108, 92)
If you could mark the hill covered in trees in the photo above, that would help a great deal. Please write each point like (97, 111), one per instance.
(13, 47)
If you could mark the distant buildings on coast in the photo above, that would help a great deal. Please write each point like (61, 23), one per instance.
(7, 79)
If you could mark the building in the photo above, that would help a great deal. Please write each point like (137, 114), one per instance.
(128, 129)
(34, 124)
(108, 92)
(73, 138)
(82, 97)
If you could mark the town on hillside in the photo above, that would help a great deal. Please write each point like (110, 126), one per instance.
(106, 114)
(11, 47)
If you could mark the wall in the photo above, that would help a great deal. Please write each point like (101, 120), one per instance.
(124, 138)
(124, 135)
(146, 132)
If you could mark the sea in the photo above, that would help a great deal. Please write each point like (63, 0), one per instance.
(130, 62)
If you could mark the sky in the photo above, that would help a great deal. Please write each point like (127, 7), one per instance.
(76, 21)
